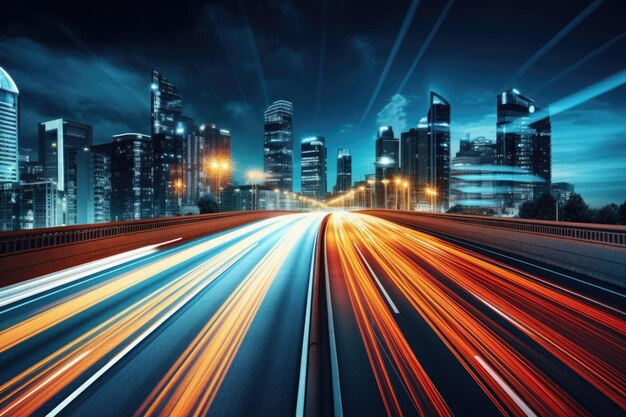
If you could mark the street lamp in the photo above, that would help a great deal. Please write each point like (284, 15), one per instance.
(371, 183)
(385, 183)
(396, 202)
(179, 186)
(254, 176)
(277, 193)
(219, 166)
(406, 188)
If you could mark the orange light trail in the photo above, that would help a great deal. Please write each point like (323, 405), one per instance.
(27, 392)
(381, 334)
(579, 332)
(191, 384)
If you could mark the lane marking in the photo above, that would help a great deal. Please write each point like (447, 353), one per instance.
(445, 237)
(144, 335)
(305, 337)
(47, 381)
(516, 399)
(337, 405)
(393, 306)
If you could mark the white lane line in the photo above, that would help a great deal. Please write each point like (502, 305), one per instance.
(305, 337)
(334, 364)
(51, 281)
(391, 304)
(516, 399)
(47, 381)
(445, 237)
(145, 334)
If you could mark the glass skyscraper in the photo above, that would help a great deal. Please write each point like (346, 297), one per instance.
(62, 148)
(344, 171)
(166, 104)
(9, 125)
(523, 141)
(387, 160)
(313, 167)
(439, 149)
(278, 146)
(131, 177)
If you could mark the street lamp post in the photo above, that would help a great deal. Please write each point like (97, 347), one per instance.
(385, 183)
(397, 181)
(277, 193)
(371, 184)
(406, 188)
(362, 196)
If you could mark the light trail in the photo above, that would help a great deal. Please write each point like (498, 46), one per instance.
(191, 384)
(81, 301)
(380, 333)
(581, 334)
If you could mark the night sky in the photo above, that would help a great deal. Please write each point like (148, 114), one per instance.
(90, 61)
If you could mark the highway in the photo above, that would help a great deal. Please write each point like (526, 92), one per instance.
(414, 324)
(213, 326)
(424, 326)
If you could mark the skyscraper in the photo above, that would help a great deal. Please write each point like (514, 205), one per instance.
(62, 148)
(439, 149)
(278, 146)
(166, 104)
(409, 159)
(9, 125)
(131, 177)
(523, 141)
(387, 161)
(344, 171)
(313, 167)
(101, 168)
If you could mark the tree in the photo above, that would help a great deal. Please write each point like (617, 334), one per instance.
(576, 210)
(607, 215)
(621, 212)
(543, 208)
(208, 204)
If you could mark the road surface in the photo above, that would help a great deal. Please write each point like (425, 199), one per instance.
(214, 326)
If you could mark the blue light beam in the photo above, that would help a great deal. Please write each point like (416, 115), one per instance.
(392, 56)
(425, 46)
(552, 42)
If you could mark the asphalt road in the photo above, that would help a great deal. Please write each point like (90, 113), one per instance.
(214, 326)
(417, 324)
(425, 326)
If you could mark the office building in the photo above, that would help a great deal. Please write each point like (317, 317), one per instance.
(438, 120)
(408, 161)
(39, 203)
(131, 177)
(63, 152)
(344, 171)
(166, 104)
(523, 141)
(313, 167)
(167, 174)
(278, 146)
(250, 197)
(387, 163)
(9, 126)
(101, 171)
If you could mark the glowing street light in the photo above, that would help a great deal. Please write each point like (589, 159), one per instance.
(397, 181)
(385, 183)
(254, 176)
(219, 166)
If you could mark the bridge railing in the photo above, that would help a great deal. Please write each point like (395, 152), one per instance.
(27, 240)
(605, 234)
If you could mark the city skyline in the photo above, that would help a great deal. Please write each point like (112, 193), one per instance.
(103, 81)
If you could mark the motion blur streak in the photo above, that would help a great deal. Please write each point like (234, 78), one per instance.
(440, 280)
(380, 332)
(76, 303)
(191, 384)
(48, 377)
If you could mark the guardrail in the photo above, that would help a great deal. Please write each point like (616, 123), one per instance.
(605, 234)
(28, 240)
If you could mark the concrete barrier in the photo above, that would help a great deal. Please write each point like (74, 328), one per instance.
(603, 261)
(18, 266)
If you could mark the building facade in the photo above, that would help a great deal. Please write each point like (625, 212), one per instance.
(523, 141)
(387, 163)
(408, 160)
(344, 171)
(439, 150)
(278, 146)
(63, 149)
(313, 167)
(9, 128)
(131, 177)
(165, 104)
